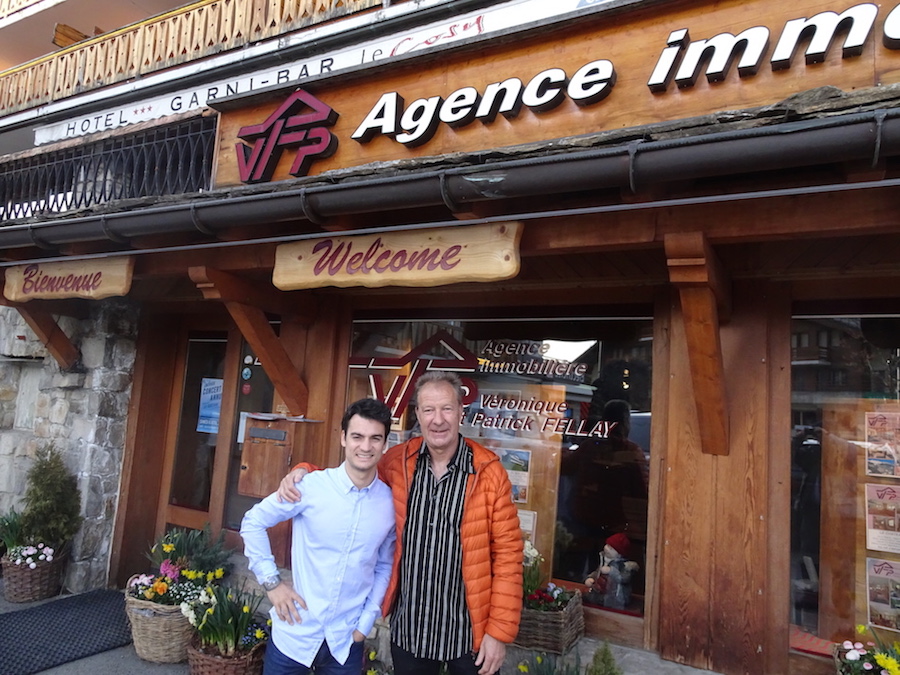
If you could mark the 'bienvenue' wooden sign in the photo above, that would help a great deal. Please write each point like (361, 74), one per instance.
(432, 257)
(93, 279)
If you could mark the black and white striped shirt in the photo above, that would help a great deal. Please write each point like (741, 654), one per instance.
(431, 619)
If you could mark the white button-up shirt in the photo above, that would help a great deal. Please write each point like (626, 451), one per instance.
(341, 552)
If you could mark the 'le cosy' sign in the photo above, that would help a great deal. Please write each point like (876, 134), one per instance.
(428, 257)
(93, 279)
(586, 80)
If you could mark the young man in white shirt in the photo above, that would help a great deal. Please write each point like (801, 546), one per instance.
(341, 555)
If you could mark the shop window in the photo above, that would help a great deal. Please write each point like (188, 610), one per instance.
(566, 406)
(845, 479)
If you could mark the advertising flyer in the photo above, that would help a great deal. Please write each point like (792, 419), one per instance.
(882, 530)
(528, 522)
(210, 402)
(883, 584)
(517, 464)
(882, 435)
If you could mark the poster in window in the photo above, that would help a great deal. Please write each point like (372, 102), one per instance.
(882, 435)
(210, 402)
(882, 529)
(517, 464)
(528, 523)
(883, 586)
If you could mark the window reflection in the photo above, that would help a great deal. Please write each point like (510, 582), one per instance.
(565, 404)
(845, 374)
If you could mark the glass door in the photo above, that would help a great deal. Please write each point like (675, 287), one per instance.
(219, 380)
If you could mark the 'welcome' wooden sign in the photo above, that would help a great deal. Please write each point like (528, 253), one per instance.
(432, 257)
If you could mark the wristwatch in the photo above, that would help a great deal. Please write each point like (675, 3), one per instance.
(270, 583)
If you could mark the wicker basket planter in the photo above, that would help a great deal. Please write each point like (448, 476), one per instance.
(552, 632)
(23, 584)
(161, 633)
(204, 663)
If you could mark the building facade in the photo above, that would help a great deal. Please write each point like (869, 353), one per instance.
(657, 241)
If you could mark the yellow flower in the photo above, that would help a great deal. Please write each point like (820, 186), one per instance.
(540, 658)
(372, 655)
(889, 663)
(523, 667)
(160, 587)
(246, 609)
(209, 610)
(260, 634)
(210, 576)
(168, 548)
(861, 628)
(268, 622)
(371, 671)
(220, 573)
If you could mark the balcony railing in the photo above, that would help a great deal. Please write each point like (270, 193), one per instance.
(8, 7)
(202, 29)
(165, 160)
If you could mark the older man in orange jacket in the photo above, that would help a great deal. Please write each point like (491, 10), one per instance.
(455, 594)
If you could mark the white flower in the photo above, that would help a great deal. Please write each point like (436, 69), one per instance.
(532, 555)
(49, 558)
(852, 655)
(32, 565)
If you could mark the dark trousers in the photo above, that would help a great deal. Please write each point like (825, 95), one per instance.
(406, 663)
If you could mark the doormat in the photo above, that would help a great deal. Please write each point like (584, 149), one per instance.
(60, 631)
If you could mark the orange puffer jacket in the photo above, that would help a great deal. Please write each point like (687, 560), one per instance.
(490, 534)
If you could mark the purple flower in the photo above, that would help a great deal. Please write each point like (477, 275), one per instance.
(169, 569)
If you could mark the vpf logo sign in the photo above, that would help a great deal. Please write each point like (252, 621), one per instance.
(300, 122)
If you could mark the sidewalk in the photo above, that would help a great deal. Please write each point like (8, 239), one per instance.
(124, 660)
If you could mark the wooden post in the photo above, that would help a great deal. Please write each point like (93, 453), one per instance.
(695, 271)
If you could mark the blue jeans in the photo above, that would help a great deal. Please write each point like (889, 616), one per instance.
(277, 663)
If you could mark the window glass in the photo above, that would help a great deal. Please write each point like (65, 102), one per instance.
(199, 420)
(565, 404)
(845, 475)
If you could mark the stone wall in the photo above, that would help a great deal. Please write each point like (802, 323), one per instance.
(81, 411)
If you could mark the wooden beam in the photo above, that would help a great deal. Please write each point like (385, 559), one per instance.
(48, 331)
(218, 285)
(255, 328)
(702, 287)
(64, 36)
(246, 303)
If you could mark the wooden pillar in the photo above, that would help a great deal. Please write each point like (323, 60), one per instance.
(723, 599)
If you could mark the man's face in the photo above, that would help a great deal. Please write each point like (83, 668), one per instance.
(363, 443)
(440, 414)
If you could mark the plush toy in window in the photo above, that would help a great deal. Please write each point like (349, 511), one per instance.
(610, 584)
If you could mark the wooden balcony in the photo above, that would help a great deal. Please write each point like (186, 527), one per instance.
(10, 7)
(193, 32)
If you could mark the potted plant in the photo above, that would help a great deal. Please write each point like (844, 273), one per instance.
(872, 656)
(38, 540)
(552, 616)
(184, 561)
(229, 637)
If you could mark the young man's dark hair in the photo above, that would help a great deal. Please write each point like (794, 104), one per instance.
(370, 409)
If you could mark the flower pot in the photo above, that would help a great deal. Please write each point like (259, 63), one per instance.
(204, 662)
(21, 583)
(551, 631)
(161, 633)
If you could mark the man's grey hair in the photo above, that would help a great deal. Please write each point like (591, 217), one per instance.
(438, 376)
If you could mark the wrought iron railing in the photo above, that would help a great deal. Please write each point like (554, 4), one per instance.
(201, 29)
(166, 160)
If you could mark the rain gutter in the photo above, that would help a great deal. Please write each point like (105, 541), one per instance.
(846, 138)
